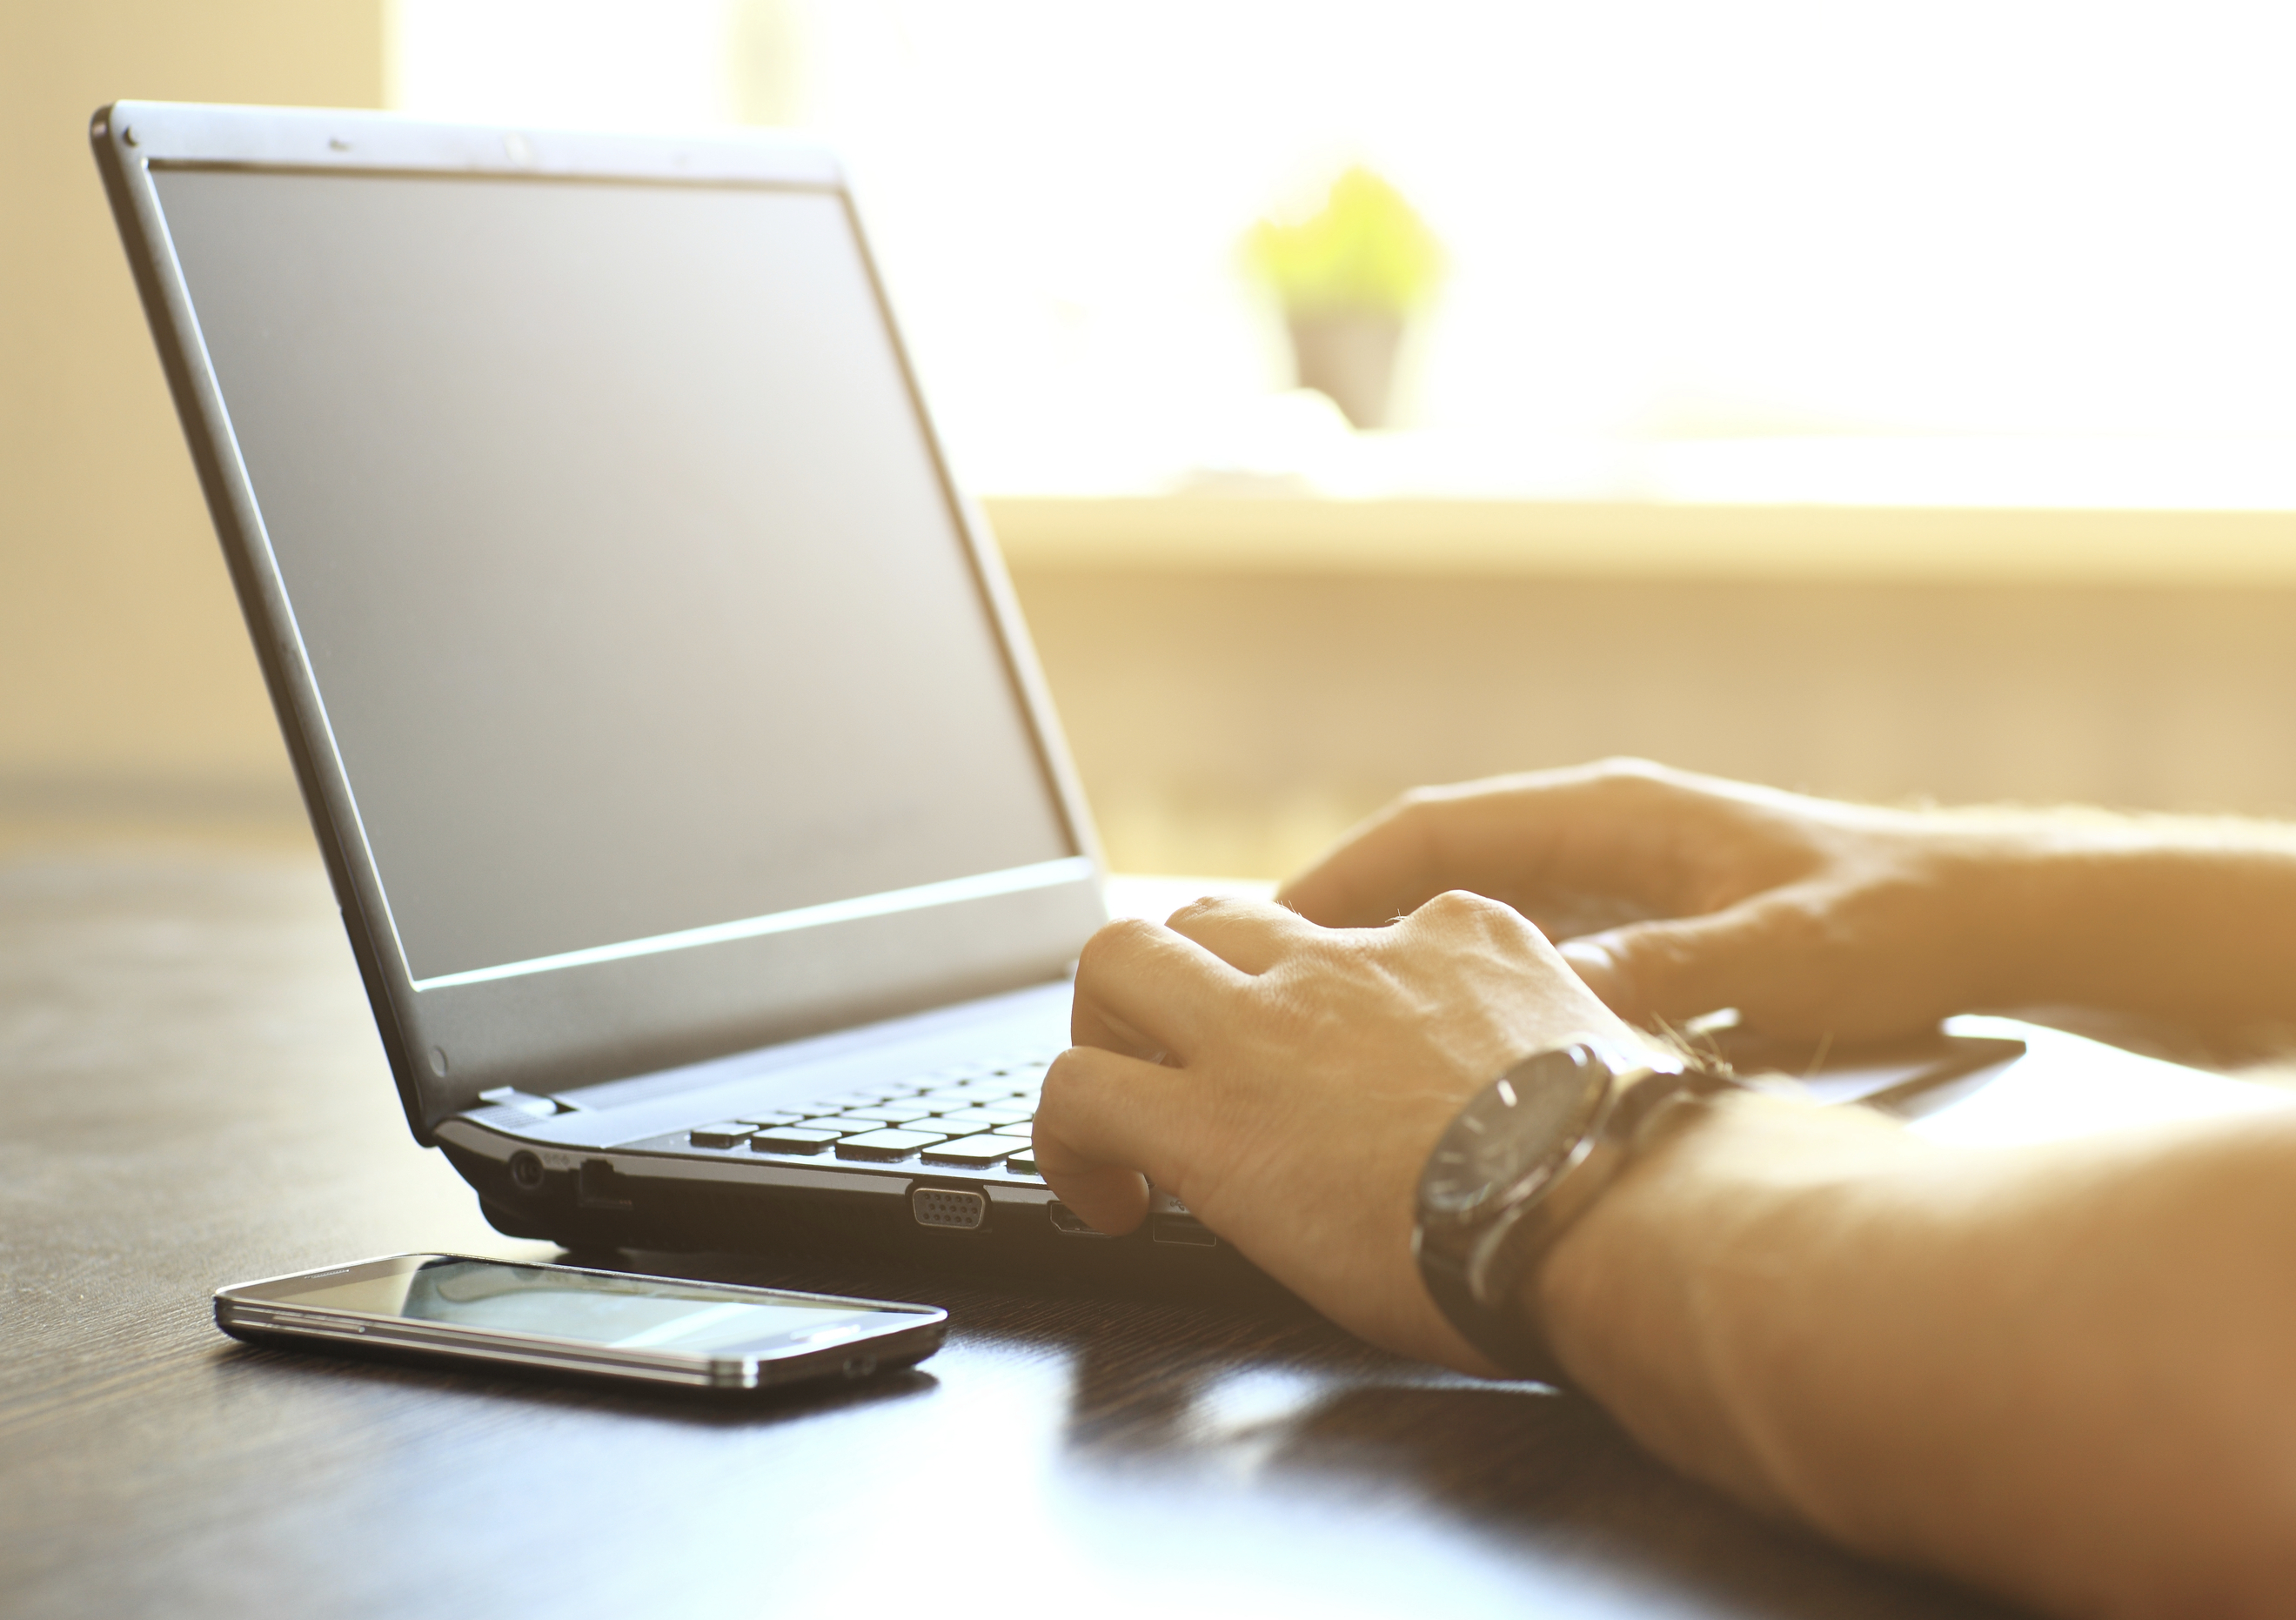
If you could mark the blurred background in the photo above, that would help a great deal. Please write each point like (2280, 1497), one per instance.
(1892, 401)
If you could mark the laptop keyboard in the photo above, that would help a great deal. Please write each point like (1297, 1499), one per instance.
(975, 1115)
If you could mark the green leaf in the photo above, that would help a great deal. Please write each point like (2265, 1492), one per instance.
(1364, 249)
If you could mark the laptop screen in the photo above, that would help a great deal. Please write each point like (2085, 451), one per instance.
(621, 555)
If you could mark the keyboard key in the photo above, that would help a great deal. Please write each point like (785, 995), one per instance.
(887, 1144)
(792, 1139)
(974, 1150)
(955, 1096)
(771, 1119)
(889, 1113)
(730, 1134)
(1023, 1157)
(979, 1119)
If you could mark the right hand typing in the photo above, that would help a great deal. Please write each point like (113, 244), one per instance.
(1679, 894)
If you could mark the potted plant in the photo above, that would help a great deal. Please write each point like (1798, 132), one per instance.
(1349, 276)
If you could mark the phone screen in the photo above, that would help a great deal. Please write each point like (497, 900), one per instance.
(593, 1307)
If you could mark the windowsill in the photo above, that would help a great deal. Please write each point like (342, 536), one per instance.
(1298, 493)
(1643, 539)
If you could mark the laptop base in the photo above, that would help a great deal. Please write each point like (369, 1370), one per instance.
(945, 1222)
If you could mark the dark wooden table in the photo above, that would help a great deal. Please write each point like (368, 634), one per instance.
(194, 1095)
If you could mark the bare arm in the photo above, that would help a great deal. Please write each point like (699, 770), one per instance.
(2059, 1372)
(2062, 1373)
(1678, 894)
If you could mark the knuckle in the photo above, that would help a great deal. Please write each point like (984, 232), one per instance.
(1462, 907)
(1203, 908)
(1065, 1102)
(1112, 944)
(1803, 924)
(1062, 1077)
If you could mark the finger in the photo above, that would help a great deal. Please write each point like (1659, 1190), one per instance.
(1252, 936)
(1593, 830)
(1765, 957)
(1106, 1125)
(1147, 991)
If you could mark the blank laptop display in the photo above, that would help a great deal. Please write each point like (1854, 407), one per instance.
(623, 564)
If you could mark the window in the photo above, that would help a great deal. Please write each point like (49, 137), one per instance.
(2001, 252)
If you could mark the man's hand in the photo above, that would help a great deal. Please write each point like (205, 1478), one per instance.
(1286, 1083)
(1678, 894)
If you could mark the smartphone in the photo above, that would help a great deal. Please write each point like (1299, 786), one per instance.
(569, 1319)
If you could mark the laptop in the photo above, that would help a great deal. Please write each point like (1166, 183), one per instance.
(698, 817)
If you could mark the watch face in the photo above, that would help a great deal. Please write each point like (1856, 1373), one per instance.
(1515, 1132)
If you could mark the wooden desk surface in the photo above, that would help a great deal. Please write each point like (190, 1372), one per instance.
(194, 1095)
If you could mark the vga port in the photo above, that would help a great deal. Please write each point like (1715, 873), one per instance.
(947, 1206)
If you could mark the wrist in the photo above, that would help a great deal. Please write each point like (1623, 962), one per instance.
(1679, 1301)
(1519, 1165)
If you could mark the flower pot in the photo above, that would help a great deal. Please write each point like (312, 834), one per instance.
(1348, 354)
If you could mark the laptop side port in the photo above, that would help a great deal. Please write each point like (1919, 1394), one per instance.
(947, 1206)
(598, 1185)
(1185, 1229)
(1069, 1224)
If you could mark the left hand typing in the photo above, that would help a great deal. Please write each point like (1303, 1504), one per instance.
(1286, 1083)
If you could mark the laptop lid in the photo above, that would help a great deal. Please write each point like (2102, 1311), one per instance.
(652, 691)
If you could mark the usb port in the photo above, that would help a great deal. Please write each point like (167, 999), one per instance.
(1184, 1229)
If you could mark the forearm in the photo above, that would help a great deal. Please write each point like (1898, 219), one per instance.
(2189, 920)
(2175, 918)
(2060, 1373)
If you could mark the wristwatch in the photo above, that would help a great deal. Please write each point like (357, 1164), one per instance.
(1523, 1160)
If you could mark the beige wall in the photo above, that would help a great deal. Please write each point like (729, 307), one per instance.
(1229, 722)
(123, 665)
